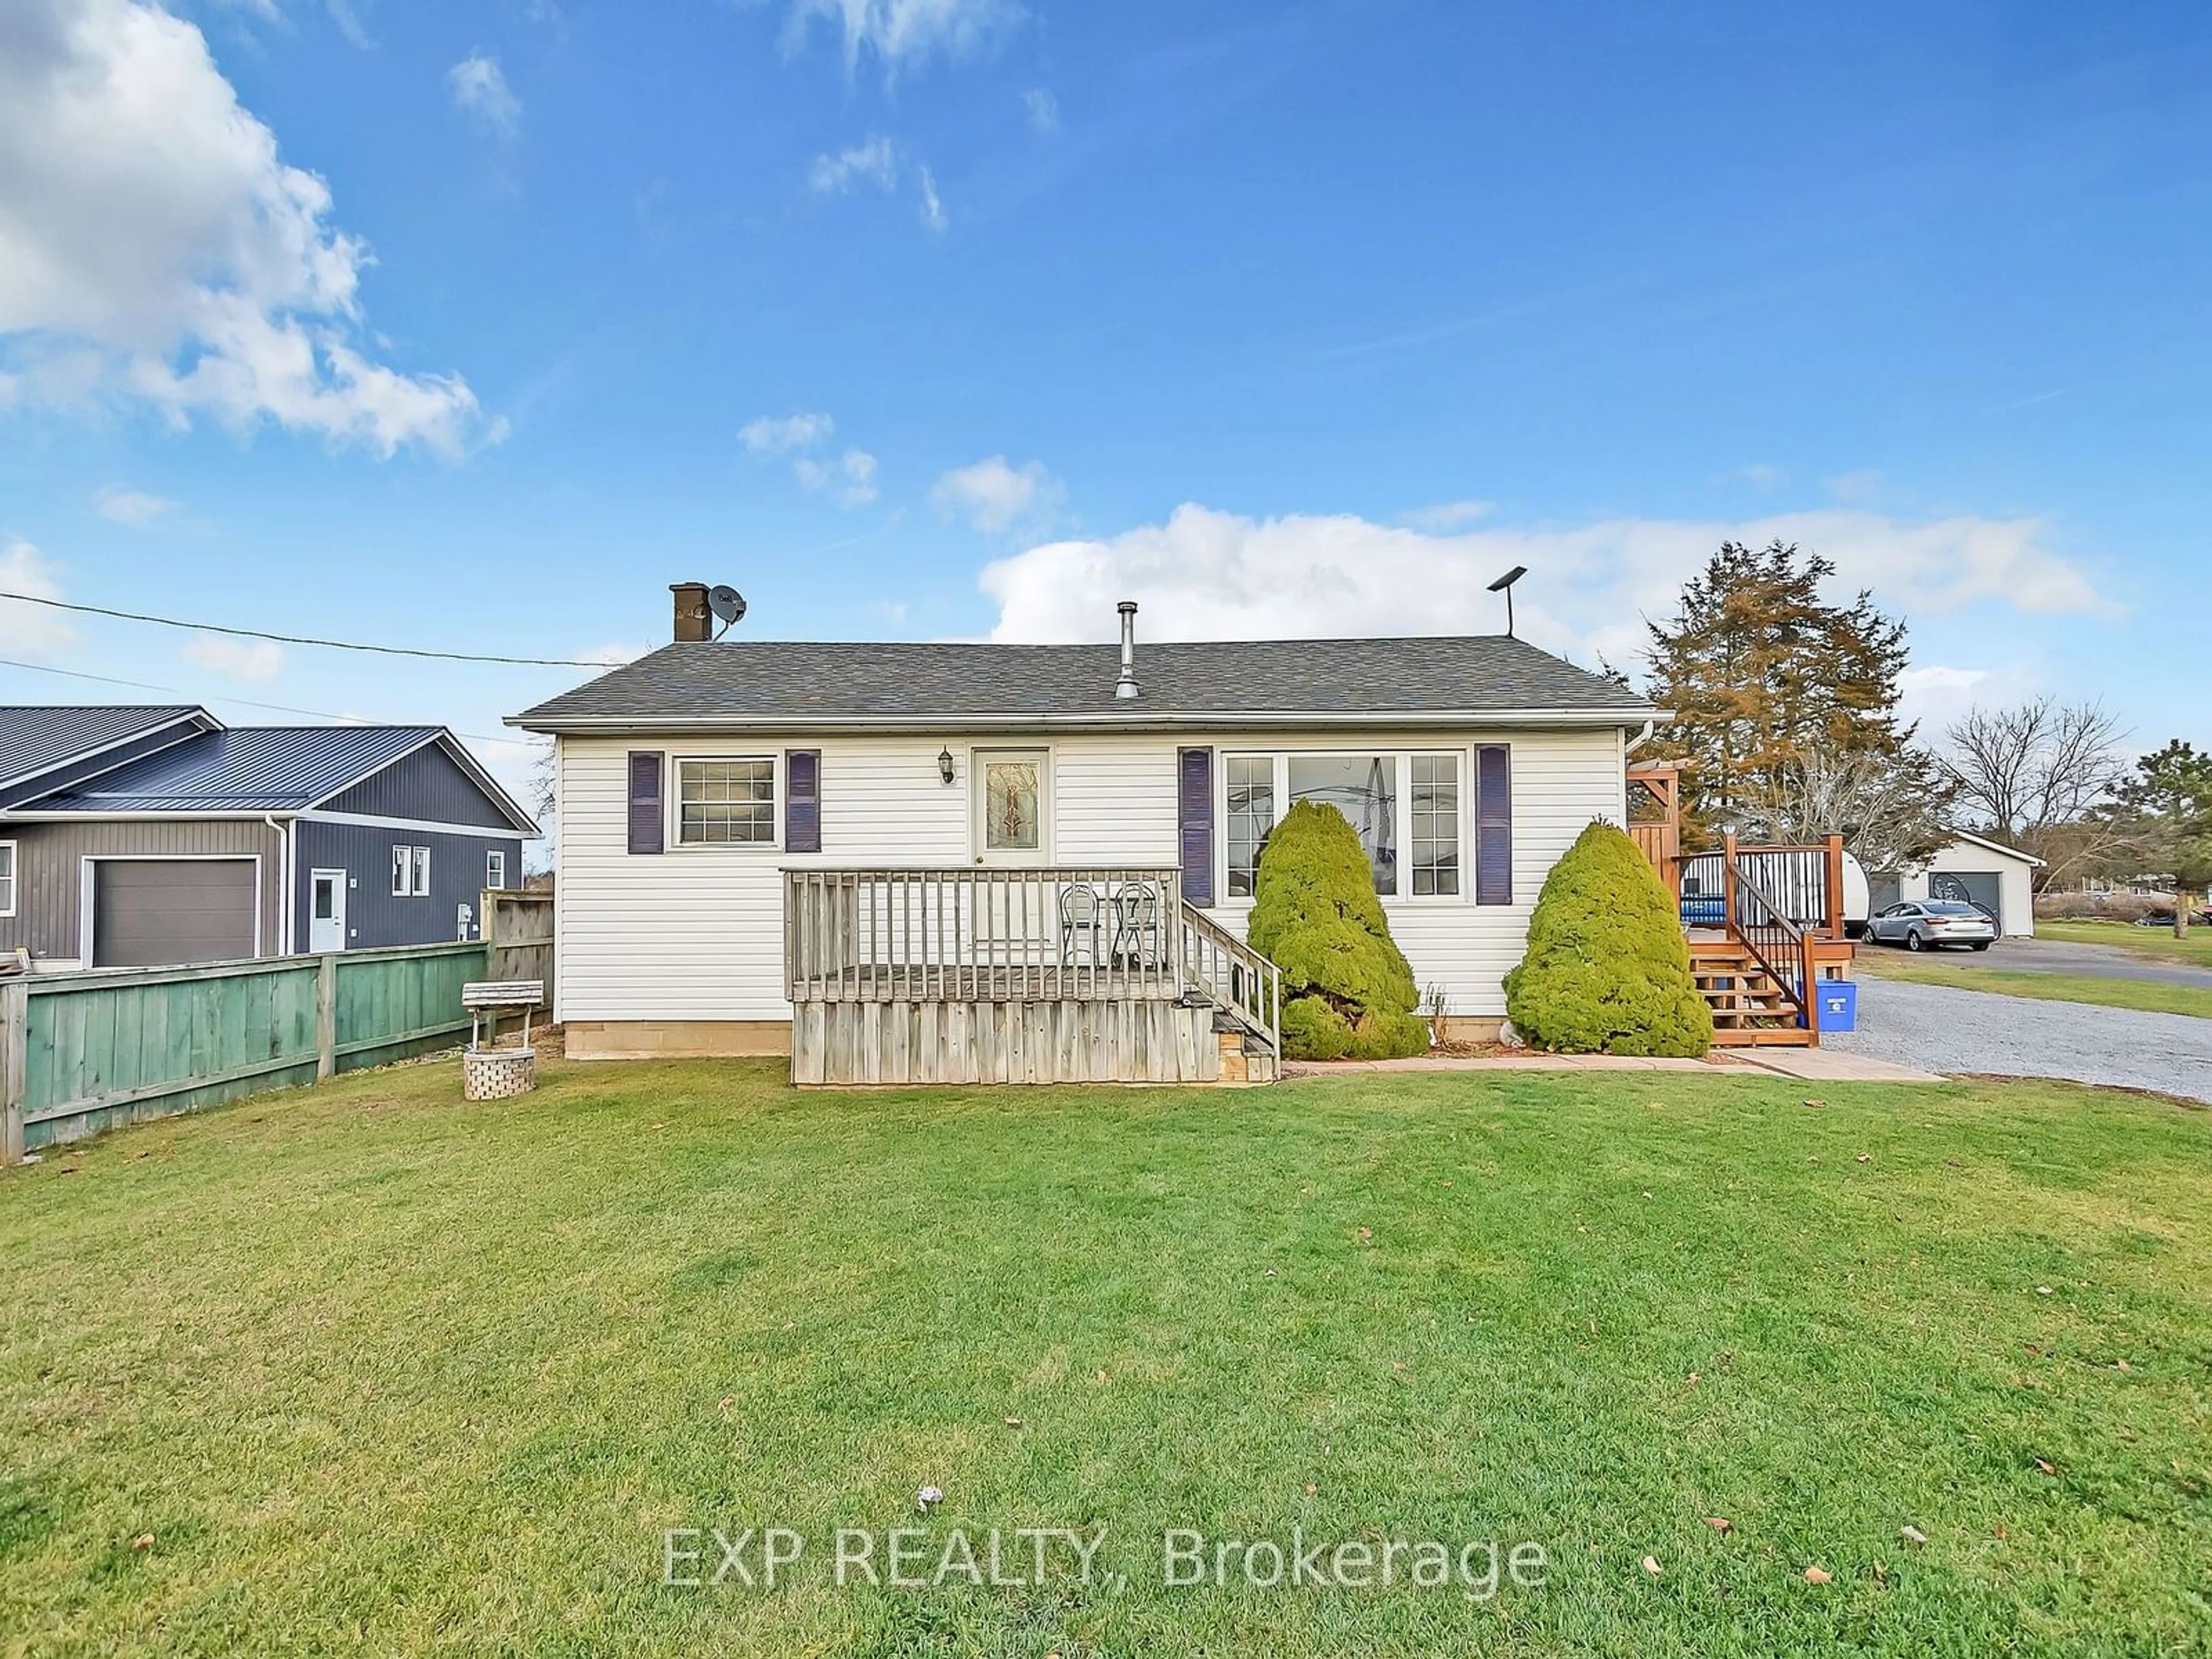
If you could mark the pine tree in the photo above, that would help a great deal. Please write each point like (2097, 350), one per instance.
(1765, 677)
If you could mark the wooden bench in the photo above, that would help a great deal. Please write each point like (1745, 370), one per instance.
(485, 998)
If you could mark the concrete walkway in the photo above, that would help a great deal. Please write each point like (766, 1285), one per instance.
(1831, 1065)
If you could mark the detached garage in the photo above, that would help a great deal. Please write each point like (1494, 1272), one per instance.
(150, 912)
(1997, 879)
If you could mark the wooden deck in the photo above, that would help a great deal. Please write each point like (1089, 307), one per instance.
(1067, 974)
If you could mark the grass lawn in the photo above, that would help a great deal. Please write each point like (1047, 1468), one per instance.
(1933, 969)
(2196, 950)
(374, 1371)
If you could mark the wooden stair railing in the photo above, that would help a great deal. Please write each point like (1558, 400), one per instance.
(1235, 978)
(1779, 945)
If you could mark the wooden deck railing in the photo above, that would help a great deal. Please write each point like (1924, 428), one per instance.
(980, 934)
(1078, 933)
(1803, 883)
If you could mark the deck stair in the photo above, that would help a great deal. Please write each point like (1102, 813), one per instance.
(1750, 1006)
(1765, 923)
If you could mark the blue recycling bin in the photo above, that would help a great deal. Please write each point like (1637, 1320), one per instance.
(1840, 1006)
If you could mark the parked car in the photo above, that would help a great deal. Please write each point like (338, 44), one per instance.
(1925, 924)
(2198, 918)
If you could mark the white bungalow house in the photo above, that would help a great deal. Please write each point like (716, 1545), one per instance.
(946, 861)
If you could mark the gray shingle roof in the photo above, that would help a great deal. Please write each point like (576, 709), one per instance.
(259, 768)
(36, 738)
(763, 682)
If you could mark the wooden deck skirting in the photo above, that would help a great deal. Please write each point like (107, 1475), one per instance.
(1063, 974)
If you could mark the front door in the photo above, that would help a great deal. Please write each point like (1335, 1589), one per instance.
(1013, 806)
(327, 910)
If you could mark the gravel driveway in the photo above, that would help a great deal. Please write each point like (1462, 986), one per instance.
(1940, 1029)
(2054, 955)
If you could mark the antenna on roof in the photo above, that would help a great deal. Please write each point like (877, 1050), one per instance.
(727, 604)
(1504, 584)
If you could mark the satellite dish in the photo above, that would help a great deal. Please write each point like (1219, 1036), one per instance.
(728, 604)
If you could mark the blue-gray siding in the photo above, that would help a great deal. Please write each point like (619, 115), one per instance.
(429, 784)
(373, 915)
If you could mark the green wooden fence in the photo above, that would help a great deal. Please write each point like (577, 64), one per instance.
(80, 1053)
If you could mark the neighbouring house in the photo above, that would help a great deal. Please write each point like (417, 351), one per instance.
(1970, 870)
(946, 861)
(147, 836)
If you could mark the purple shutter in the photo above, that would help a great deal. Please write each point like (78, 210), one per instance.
(802, 800)
(646, 814)
(1194, 822)
(1493, 825)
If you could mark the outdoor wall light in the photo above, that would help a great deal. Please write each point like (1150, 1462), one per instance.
(945, 764)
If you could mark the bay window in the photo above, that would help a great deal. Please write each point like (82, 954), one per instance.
(1411, 810)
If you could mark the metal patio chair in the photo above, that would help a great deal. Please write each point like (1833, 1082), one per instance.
(1139, 938)
(1078, 917)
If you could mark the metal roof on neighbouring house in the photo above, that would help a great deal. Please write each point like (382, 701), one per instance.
(257, 769)
(38, 738)
(1327, 682)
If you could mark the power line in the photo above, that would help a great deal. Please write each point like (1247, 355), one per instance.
(243, 703)
(303, 639)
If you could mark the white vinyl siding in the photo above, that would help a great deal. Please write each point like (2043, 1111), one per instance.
(678, 939)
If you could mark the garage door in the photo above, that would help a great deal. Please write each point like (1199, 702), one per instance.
(1984, 888)
(147, 913)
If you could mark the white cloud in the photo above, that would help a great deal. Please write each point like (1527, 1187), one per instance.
(1936, 695)
(480, 90)
(852, 476)
(872, 162)
(904, 32)
(1043, 109)
(349, 23)
(1209, 574)
(132, 507)
(31, 630)
(858, 468)
(768, 434)
(993, 495)
(876, 162)
(1448, 515)
(240, 659)
(154, 247)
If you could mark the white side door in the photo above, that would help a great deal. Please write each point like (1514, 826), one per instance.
(327, 910)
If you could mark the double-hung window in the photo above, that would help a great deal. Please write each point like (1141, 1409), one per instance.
(496, 870)
(723, 803)
(411, 871)
(7, 877)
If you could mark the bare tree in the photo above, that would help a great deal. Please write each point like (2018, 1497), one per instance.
(1890, 809)
(2035, 776)
(545, 794)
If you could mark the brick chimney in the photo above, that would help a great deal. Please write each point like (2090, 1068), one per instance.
(694, 622)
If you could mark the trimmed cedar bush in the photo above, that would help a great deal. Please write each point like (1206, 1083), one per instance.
(1608, 968)
(1347, 992)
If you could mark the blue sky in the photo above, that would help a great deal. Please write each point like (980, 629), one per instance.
(473, 325)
